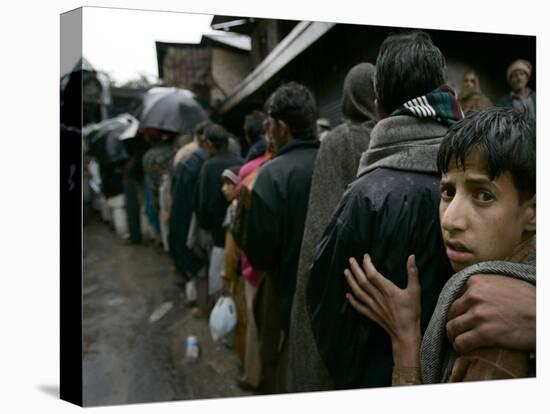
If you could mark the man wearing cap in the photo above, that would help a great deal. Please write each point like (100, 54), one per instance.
(520, 97)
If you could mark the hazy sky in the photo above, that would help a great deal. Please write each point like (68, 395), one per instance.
(122, 42)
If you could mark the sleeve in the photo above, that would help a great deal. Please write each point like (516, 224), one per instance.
(263, 234)
(201, 199)
(356, 351)
(405, 376)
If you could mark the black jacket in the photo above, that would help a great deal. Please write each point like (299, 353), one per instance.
(210, 203)
(389, 214)
(276, 218)
(184, 181)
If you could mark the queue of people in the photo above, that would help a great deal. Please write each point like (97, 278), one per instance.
(373, 257)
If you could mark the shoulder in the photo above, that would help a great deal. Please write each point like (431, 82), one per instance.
(335, 135)
(377, 202)
(383, 187)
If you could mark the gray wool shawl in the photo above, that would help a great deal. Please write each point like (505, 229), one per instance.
(335, 167)
(437, 355)
(405, 143)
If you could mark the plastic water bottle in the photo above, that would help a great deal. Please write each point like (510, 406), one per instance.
(192, 347)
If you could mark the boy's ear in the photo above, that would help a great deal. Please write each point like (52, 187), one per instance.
(283, 127)
(531, 214)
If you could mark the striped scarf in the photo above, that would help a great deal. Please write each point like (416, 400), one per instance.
(440, 104)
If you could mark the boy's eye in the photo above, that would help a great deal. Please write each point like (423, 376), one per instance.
(447, 192)
(484, 196)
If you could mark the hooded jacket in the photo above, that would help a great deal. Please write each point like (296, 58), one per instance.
(335, 167)
(390, 212)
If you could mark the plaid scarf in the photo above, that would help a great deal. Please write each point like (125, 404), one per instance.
(440, 104)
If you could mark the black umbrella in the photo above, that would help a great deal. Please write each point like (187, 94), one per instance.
(104, 139)
(171, 109)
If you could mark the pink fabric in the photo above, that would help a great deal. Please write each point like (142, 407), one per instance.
(249, 273)
(250, 167)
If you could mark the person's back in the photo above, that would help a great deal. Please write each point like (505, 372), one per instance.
(335, 167)
(211, 204)
(289, 175)
(275, 222)
(390, 214)
(185, 178)
(390, 211)
(488, 222)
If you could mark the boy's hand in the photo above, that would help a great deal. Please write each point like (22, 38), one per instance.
(394, 309)
(494, 311)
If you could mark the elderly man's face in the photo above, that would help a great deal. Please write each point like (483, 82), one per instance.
(518, 80)
(469, 81)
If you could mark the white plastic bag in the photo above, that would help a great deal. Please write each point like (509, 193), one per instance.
(223, 318)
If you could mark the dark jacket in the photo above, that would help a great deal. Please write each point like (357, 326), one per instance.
(276, 219)
(272, 238)
(390, 213)
(184, 181)
(210, 203)
(513, 101)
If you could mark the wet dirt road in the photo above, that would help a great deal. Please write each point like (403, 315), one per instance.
(135, 327)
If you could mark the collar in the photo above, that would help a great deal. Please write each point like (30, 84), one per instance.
(298, 143)
(403, 142)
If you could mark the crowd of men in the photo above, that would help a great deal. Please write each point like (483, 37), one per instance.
(400, 249)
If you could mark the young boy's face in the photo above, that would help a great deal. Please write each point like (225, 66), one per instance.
(482, 219)
(229, 190)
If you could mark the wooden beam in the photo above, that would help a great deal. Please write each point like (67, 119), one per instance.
(299, 39)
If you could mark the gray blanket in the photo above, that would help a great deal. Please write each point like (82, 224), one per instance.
(437, 354)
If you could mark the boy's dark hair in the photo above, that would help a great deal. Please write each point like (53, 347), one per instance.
(503, 137)
(294, 104)
(408, 65)
(217, 135)
(254, 125)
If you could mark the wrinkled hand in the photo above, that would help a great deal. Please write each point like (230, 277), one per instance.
(394, 309)
(493, 311)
